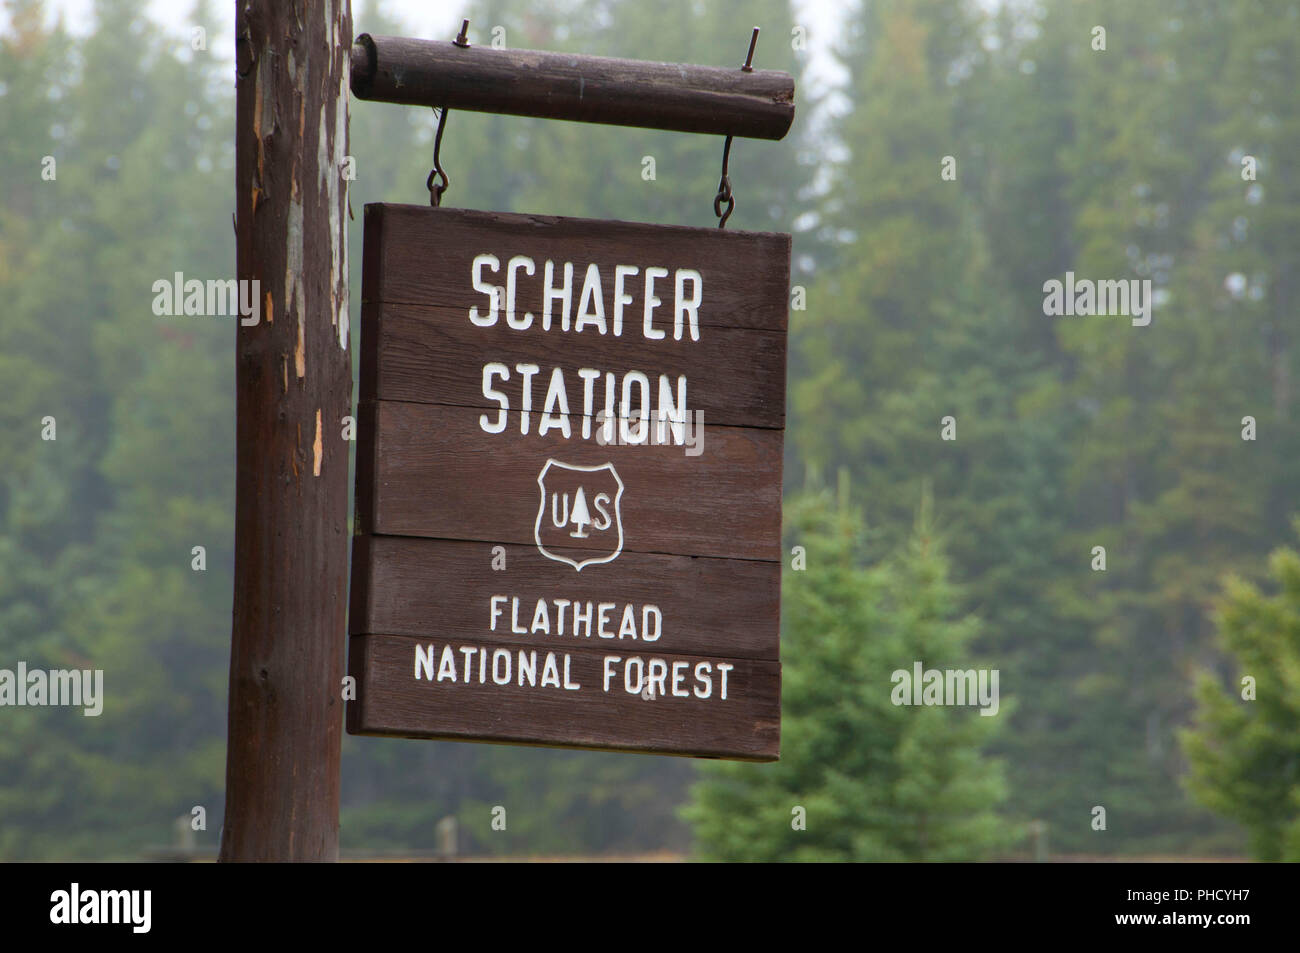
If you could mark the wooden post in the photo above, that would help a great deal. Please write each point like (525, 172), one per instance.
(294, 386)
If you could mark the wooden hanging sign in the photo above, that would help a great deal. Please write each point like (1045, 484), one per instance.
(568, 497)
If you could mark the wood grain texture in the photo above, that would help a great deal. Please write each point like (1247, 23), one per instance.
(390, 700)
(293, 384)
(734, 376)
(724, 101)
(437, 474)
(414, 587)
(424, 256)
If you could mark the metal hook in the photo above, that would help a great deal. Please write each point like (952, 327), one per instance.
(724, 190)
(724, 184)
(435, 191)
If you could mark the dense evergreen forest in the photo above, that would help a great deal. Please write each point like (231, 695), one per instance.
(1086, 504)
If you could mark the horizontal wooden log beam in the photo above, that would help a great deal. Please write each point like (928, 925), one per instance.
(757, 105)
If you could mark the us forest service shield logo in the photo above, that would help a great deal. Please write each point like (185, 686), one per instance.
(578, 519)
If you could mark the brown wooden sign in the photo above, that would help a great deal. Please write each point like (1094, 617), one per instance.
(568, 505)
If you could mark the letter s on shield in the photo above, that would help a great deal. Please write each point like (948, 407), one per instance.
(579, 520)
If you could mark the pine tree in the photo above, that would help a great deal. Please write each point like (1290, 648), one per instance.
(859, 778)
(1245, 747)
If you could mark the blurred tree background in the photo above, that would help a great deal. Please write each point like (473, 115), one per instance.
(924, 299)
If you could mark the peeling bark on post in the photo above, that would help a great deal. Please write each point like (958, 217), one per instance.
(294, 387)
